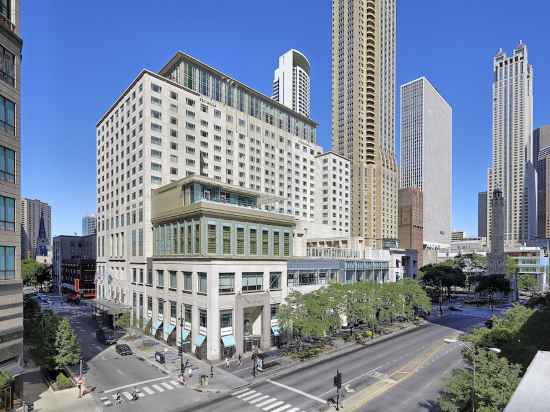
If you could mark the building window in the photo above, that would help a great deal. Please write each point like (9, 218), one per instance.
(197, 238)
(203, 318)
(253, 240)
(141, 276)
(240, 241)
(276, 244)
(7, 164)
(173, 280)
(226, 240)
(252, 281)
(7, 262)
(227, 283)
(212, 239)
(149, 278)
(275, 280)
(265, 242)
(150, 303)
(7, 213)
(188, 313)
(7, 63)
(7, 115)
(286, 244)
(173, 310)
(160, 279)
(134, 275)
(226, 318)
(187, 282)
(203, 283)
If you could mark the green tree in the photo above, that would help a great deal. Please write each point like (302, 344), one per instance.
(495, 382)
(443, 275)
(414, 296)
(490, 285)
(66, 345)
(472, 265)
(44, 275)
(511, 266)
(30, 269)
(528, 283)
(5, 377)
(43, 337)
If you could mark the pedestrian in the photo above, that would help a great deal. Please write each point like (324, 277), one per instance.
(227, 362)
(190, 372)
(211, 372)
(240, 359)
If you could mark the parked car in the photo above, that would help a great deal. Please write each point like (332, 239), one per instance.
(123, 349)
(105, 336)
(455, 309)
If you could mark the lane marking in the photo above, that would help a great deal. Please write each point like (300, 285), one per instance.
(261, 398)
(148, 390)
(135, 384)
(270, 400)
(158, 388)
(248, 398)
(282, 408)
(307, 395)
(246, 394)
(273, 405)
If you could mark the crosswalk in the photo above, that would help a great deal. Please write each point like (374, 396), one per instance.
(264, 402)
(142, 391)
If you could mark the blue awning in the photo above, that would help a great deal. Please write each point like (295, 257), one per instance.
(275, 329)
(156, 326)
(185, 335)
(168, 329)
(228, 341)
(199, 340)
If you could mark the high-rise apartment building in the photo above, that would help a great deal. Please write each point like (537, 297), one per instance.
(482, 214)
(541, 158)
(333, 192)
(411, 226)
(426, 155)
(291, 82)
(32, 210)
(363, 111)
(11, 295)
(191, 119)
(88, 225)
(512, 170)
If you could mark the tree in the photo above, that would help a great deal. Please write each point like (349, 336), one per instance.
(528, 283)
(29, 270)
(511, 266)
(66, 345)
(491, 285)
(495, 382)
(44, 275)
(472, 265)
(6, 377)
(443, 275)
(43, 338)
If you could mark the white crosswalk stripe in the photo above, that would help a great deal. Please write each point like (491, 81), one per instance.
(292, 410)
(282, 408)
(242, 395)
(268, 401)
(175, 383)
(248, 398)
(158, 388)
(240, 391)
(273, 405)
(261, 398)
(148, 390)
(167, 385)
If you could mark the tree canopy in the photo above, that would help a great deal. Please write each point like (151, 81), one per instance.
(443, 275)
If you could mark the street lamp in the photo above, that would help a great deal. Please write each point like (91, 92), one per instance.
(471, 349)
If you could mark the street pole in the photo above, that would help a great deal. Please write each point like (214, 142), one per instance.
(474, 381)
(182, 371)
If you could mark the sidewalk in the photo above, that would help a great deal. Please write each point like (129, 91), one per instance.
(146, 346)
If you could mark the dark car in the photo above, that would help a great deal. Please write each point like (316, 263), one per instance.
(105, 336)
(455, 309)
(123, 349)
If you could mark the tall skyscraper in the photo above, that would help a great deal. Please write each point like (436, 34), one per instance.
(495, 260)
(291, 83)
(482, 214)
(512, 169)
(32, 210)
(426, 155)
(411, 226)
(88, 225)
(11, 294)
(363, 111)
(541, 158)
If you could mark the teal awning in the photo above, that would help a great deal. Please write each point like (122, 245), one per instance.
(199, 340)
(228, 341)
(275, 329)
(168, 329)
(156, 326)
(185, 335)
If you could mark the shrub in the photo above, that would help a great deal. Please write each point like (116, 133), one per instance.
(62, 382)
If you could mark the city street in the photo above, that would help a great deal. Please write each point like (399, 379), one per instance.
(309, 388)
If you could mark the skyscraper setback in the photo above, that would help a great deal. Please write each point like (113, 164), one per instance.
(512, 168)
(363, 111)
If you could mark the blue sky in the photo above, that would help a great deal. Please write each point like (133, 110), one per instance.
(78, 56)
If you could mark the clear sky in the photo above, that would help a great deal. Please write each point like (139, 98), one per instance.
(78, 56)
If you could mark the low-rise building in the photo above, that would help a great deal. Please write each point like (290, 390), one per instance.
(218, 271)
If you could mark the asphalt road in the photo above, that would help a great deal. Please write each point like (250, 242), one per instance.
(309, 388)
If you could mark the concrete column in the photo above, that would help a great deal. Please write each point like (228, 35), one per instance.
(194, 326)
(238, 327)
(265, 341)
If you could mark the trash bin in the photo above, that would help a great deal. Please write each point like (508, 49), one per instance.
(204, 381)
(159, 357)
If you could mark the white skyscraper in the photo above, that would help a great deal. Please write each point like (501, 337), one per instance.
(291, 84)
(88, 225)
(512, 168)
(426, 155)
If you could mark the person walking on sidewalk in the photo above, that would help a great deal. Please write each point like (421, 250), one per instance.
(211, 371)
(227, 362)
(240, 359)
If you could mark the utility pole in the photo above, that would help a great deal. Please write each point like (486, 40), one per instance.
(182, 368)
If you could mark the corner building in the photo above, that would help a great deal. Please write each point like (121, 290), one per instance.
(190, 120)
(363, 112)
